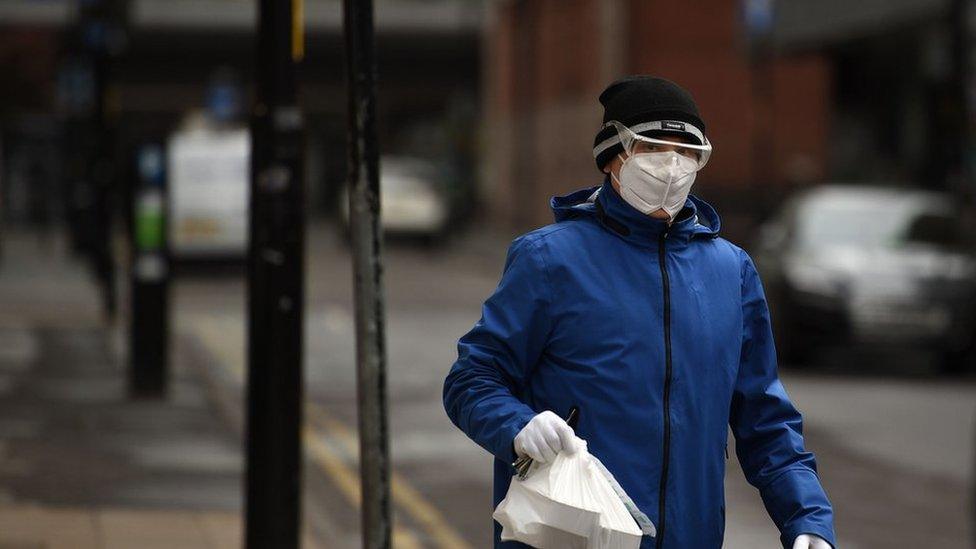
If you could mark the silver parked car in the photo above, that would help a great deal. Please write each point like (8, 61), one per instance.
(413, 198)
(870, 265)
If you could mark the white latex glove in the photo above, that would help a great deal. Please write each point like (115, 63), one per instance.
(545, 436)
(807, 541)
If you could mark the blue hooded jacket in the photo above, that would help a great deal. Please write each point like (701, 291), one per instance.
(661, 336)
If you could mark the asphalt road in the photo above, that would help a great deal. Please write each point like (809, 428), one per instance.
(895, 447)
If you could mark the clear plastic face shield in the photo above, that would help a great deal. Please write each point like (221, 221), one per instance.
(634, 144)
(657, 174)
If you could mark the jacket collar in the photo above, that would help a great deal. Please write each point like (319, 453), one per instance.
(696, 218)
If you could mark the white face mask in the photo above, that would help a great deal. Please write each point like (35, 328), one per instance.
(657, 181)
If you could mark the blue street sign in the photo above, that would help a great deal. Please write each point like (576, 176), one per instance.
(151, 164)
(758, 16)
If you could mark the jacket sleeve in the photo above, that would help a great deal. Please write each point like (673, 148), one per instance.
(769, 431)
(481, 392)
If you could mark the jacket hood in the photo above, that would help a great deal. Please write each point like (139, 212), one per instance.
(697, 219)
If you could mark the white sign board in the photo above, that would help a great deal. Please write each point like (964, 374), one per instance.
(209, 192)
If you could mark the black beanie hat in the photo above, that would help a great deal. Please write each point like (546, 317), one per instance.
(652, 107)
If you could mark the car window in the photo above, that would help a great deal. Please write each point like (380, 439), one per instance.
(937, 229)
(854, 223)
(408, 167)
(878, 221)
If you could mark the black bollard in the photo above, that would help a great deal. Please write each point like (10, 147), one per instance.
(149, 319)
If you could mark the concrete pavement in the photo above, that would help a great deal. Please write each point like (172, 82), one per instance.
(31, 526)
(81, 464)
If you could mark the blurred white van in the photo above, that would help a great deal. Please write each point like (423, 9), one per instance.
(209, 190)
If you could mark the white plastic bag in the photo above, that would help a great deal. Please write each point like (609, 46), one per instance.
(567, 503)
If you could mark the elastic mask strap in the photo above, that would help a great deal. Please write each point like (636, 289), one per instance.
(622, 160)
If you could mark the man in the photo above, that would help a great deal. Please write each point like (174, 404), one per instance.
(632, 308)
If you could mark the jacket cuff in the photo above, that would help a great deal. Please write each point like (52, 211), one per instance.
(798, 505)
(506, 449)
(789, 537)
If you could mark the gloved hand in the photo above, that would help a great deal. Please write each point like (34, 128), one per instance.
(807, 541)
(545, 436)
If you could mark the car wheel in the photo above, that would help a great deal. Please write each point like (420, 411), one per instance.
(959, 362)
(792, 345)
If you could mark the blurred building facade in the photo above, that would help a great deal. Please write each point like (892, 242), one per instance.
(833, 90)
(171, 52)
(903, 92)
(548, 61)
(828, 90)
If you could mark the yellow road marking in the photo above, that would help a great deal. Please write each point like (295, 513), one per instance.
(226, 343)
(348, 481)
(404, 495)
(331, 463)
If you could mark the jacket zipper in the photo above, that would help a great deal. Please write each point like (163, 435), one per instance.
(667, 387)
